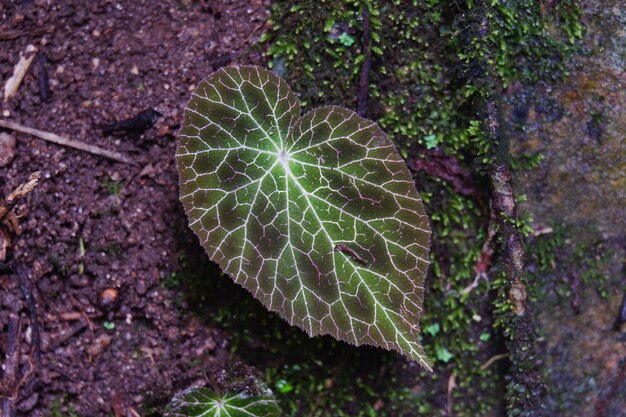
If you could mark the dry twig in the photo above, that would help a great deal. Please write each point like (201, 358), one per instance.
(14, 82)
(31, 303)
(9, 35)
(20, 192)
(493, 359)
(60, 140)
(526, 375)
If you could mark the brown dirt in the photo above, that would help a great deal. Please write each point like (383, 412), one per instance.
(107, 61)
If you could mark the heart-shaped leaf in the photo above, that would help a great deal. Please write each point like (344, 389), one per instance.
(316, 215)
(201, 402)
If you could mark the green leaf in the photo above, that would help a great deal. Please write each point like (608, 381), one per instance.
(197, 402)
(317, 215)
(346, 39)
(443, 354)
(431, 141)
(432, 329)
(283, 386)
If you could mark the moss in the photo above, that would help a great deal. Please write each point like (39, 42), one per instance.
(423, 85)
(562, 254)
(114, 187)
(528, 41)
(59, 408)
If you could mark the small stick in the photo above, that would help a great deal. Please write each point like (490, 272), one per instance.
(365, 66)
(13, 83)
(62, 337)
(77, 315)
(259, 26)
(451, 386)
(31, 303)
(10, 35)
(51, 137)
(492, 360)
(11, 361)
(19, 193)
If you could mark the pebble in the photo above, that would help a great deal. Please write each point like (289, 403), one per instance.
(99, 345)
(108, 298)
(79, 281)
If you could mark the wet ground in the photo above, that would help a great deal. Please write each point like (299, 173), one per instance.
(93, 224)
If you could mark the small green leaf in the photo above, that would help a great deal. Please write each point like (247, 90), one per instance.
(201, 402)
(377, 50)
(108, 325)
(431, 141)
(484, 337)
(346, 39)
(283, 386)
(443, 354)
(432, 329)
(316, 215)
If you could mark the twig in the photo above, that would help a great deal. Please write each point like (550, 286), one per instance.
(13, 83)
(365, 66)
(259, 26)
(493, 359)
(504, 204)
(451, 386)
(61, 338)
(526, 381)
(525, 371)
(19, 193)
(31, 303)
(77, 315)
(11, 362)
(14, 34)
(51, 137)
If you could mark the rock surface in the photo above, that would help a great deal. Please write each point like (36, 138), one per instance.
(579, 128)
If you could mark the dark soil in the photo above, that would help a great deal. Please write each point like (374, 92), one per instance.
(107, 61)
